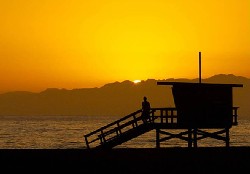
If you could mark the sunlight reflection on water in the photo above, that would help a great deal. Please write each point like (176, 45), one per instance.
(65, 132)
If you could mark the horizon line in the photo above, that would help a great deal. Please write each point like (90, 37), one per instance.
(62, 88)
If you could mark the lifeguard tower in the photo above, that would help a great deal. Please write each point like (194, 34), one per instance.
(198, 107)
(204, 106)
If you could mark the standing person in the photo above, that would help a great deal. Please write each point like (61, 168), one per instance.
(145, 110)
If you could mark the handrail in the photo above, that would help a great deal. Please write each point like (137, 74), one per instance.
(101, 134)
(124, 118)
(113, 123)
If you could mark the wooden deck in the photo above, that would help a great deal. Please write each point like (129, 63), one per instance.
(161, 119)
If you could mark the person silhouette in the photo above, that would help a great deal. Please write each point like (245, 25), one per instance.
(145, 110)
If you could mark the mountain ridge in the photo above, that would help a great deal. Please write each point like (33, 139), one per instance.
(117, 98)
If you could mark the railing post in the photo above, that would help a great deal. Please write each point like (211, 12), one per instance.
(153, 116)
(103, 140)
(172, 116)
(135, 121)
(119, 129)
(167, 115)
(161, 116)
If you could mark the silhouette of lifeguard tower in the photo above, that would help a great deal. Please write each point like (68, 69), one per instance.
(198, 107)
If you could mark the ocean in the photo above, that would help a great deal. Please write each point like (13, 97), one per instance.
(67, 132)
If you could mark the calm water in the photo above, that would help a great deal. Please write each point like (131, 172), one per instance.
(67, 132)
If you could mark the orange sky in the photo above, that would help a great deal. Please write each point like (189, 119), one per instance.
(87, 43)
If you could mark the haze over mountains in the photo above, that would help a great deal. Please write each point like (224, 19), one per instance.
(115, 99)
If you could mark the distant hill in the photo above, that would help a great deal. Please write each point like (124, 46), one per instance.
(118, 98)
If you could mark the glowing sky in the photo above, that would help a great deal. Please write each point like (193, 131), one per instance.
(87, 43)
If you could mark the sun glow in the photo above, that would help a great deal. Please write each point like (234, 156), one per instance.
(137, 81)
(82, 44)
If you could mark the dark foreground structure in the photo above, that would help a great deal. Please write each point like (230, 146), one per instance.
(199, 107)
(128, 160)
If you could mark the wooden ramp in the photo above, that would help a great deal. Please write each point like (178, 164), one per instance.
(161, 119)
